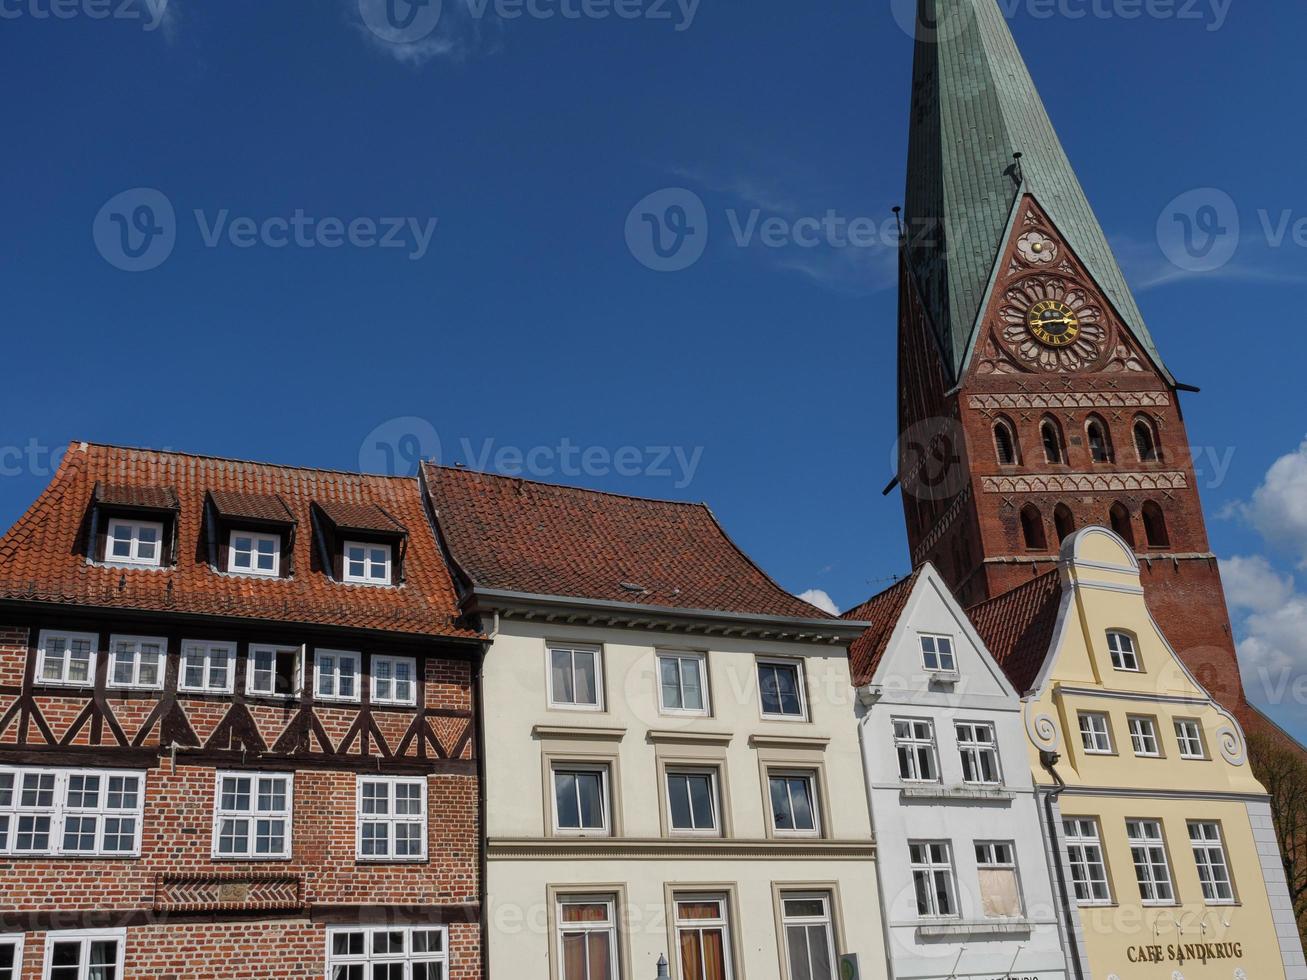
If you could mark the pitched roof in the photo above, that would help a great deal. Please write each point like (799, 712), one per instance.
(974, 104)
(236, 505)
(542, 539)
(1018, 625)
(350, 515)
(43, 556)
(883, 611)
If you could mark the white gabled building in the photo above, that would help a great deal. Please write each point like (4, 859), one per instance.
(962, 861)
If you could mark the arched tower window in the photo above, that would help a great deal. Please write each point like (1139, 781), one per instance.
(1146, 444)
(1032, 528)
(1155, 526)
(1005, 444)
(1051, 434)
(1122, 524)
(1100, 440)
(1064, 521)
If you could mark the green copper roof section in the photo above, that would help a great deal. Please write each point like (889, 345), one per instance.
(974, 105)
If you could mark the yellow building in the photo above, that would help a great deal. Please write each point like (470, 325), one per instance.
(1168, 864)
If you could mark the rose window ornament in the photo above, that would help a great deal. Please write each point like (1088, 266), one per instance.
(1037, 248)
(1052, 324)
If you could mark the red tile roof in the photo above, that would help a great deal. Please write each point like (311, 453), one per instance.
(542, 539)
(236, 505)
(350, 515)
(43, 556)
(1018, 625)
(883, 612)
(125, 495)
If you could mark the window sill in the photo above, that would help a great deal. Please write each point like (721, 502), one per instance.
(373, 862)
(579, 732)
(938, 792)
(997, 927)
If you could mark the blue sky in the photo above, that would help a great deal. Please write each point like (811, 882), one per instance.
(512, 325)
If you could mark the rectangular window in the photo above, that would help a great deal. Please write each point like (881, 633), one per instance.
(134, 543)
(1148, 851)
(794, 803)
(978, 748)
(1213, 867)
(137, 661)
(273, 671)
(252, 816)
(367, 564)
(1095, 735)
(392, 818)
(11, 957)
(932, 878)
(682, 686)
(71, 812)
(394, 680)
(1189, 733)
(388, 953)
(336, 675)
(1122, 648)
(1143, 737)
(692, 801)
(587, 938)
(207, 667)
(66, 658)
(575, 677)
(1000, 891)
(703, 934)
(249, 553)
(915, 743)
(85, 954)
(937, 654)
(1085, 855)
(809, 936)
(581, 799)
(780, 683)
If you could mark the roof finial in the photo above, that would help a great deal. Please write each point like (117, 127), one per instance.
(898, 219)
(1017, 173)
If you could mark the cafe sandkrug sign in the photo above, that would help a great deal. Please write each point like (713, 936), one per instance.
(1183, 953)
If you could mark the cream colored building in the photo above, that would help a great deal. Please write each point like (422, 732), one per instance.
(671, 762)
(1170, 864)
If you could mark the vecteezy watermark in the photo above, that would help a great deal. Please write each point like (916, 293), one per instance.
(667, 231)
(1202, 230)
(137, 230)
(947, 22)
(148, 13)
(31, 459)
(398, 446)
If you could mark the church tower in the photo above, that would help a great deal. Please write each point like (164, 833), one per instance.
(1033, 399)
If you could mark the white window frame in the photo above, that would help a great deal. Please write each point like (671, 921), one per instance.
(1124, 656)
(680, 658)
(937, 654)
(825, 921)
(1085, 851)
(800, 683)
(134, 559)
(608, 927)
(367, 578)
(14, 940)
(604, 771)
(810, 776)
(572, 649)
(714, 800)
(380, 660)
(59, 811)
(369, 957)
(1144, 739)
(209, 651)
(988, 858)
(1094, 733)
(720, 924)
(1210, 853)
(297, 686)
(86, 937)
(390, 818)
(1154, 889)
(66, 659)
(933, 869)
(137, 642)
(256, 538)
(909, 739)
(253, 815)
(338, 659)
(974, 748)
(1187, 732)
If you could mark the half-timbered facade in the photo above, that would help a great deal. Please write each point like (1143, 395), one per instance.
(237, 731)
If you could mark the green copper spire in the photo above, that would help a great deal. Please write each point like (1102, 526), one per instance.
(974, 105)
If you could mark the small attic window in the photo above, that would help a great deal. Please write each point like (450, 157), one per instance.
(130, 542)
(133, 526)
(361, 543)
(250, 533)
(367, 564)
(253, 553)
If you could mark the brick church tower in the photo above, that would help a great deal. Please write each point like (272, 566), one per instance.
(1033, 400)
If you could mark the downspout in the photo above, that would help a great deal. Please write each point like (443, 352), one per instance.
(1049, 761)
(483, 859)
(867, 697)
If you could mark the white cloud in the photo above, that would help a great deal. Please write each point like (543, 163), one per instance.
(821, 599)
(1252, 584)
(1278, 509)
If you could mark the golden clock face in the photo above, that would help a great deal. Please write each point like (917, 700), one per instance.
(1053, 323)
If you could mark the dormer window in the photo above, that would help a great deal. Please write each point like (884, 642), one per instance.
(367, 564)
(132, 542)
(252, 553)
(937, 654)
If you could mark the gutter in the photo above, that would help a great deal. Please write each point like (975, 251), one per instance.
(1049, 761)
